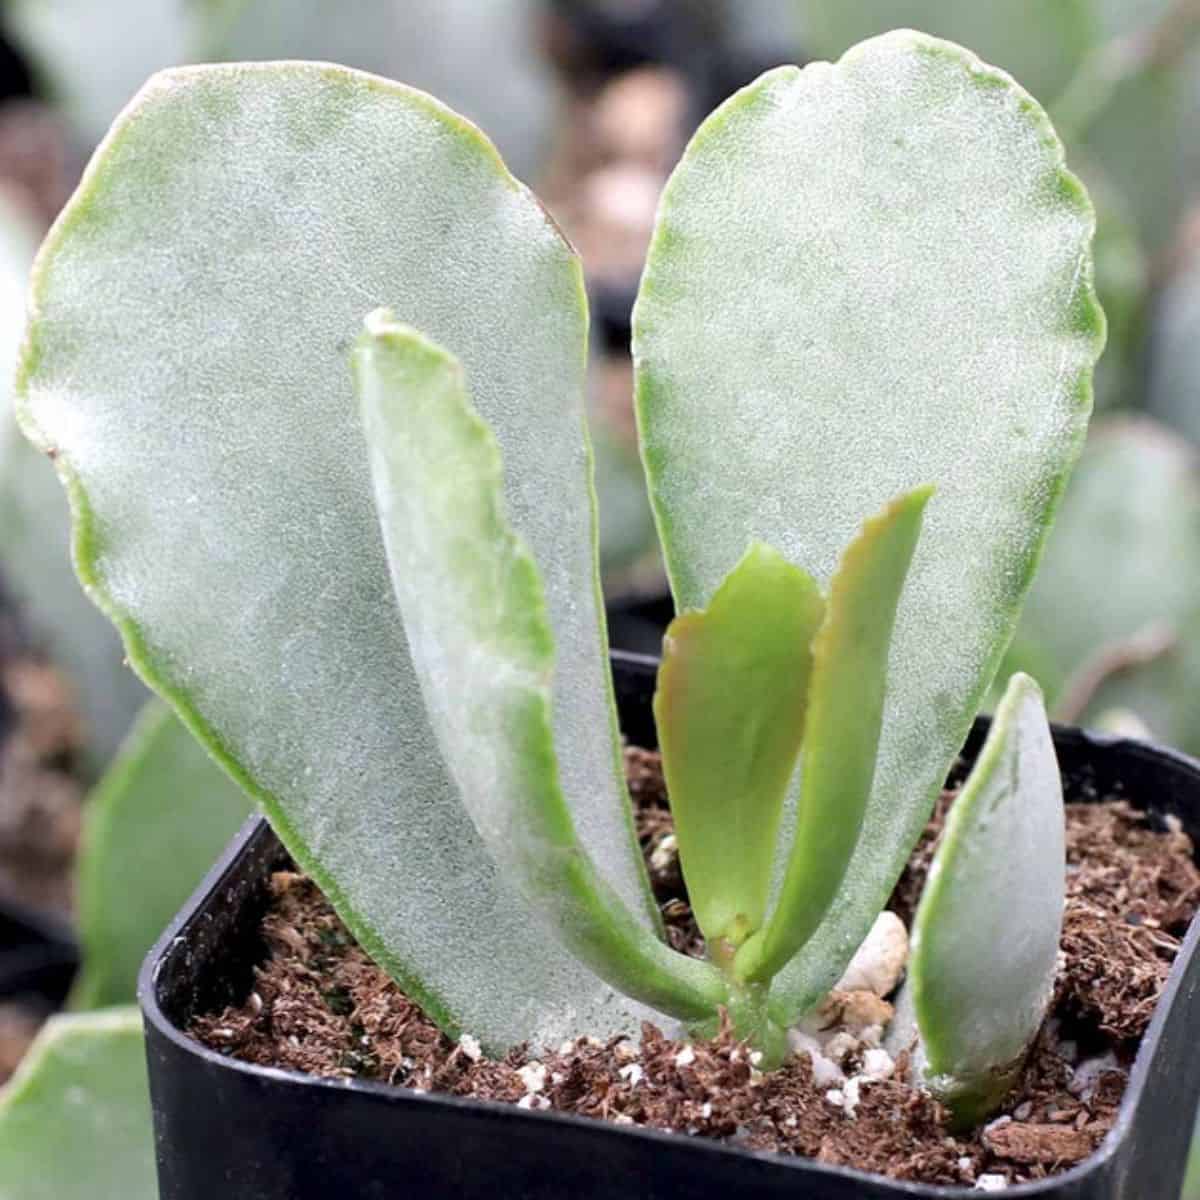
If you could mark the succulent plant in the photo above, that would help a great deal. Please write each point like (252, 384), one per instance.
(868, 300)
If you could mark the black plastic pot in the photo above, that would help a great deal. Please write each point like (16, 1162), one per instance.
(226, 1129)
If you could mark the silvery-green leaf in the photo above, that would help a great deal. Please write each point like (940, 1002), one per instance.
(1038, 43)
(474, 611)
(1133, 637)
(153, 826)
(75, 1118)
(188, 360)
(986, 932)
(35, 557)
(868, 276)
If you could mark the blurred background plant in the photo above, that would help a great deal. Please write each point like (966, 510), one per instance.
(590, 101)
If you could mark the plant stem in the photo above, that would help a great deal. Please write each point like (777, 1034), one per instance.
(747, 1007)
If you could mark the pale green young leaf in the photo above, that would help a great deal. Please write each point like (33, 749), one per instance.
(845, 714)
(75, 1118)
(729, 709)
(474, 612)
(193, 313)
(865, 277)
(153, 826)
(985, 936)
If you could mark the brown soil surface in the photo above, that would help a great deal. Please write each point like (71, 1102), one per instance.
(321, 1006)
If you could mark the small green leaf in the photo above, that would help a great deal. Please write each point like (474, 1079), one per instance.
(730, 715)
(986, 933)
(845, 715)
(866, 276)
(75, 1118)
(474, 611)
(154, 824)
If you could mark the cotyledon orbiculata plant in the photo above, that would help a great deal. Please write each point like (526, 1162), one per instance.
(869, 280)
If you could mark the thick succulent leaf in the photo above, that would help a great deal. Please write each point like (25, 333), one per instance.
(845, 712)
(1134, 500)
(1038, 43)
(187, 360)
(867, 277)
(729, 710)
(155, 823)
(75, 1118)
(985, 936)
(35, 557)
(474, 611)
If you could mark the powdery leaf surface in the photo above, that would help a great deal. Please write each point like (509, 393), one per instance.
(35, 525)
(869, 276)
(474, 610)
(75, 1118)
(986, 933)
(188, 361)
(153, 827)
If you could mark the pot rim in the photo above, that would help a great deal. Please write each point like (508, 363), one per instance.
(637, 664)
